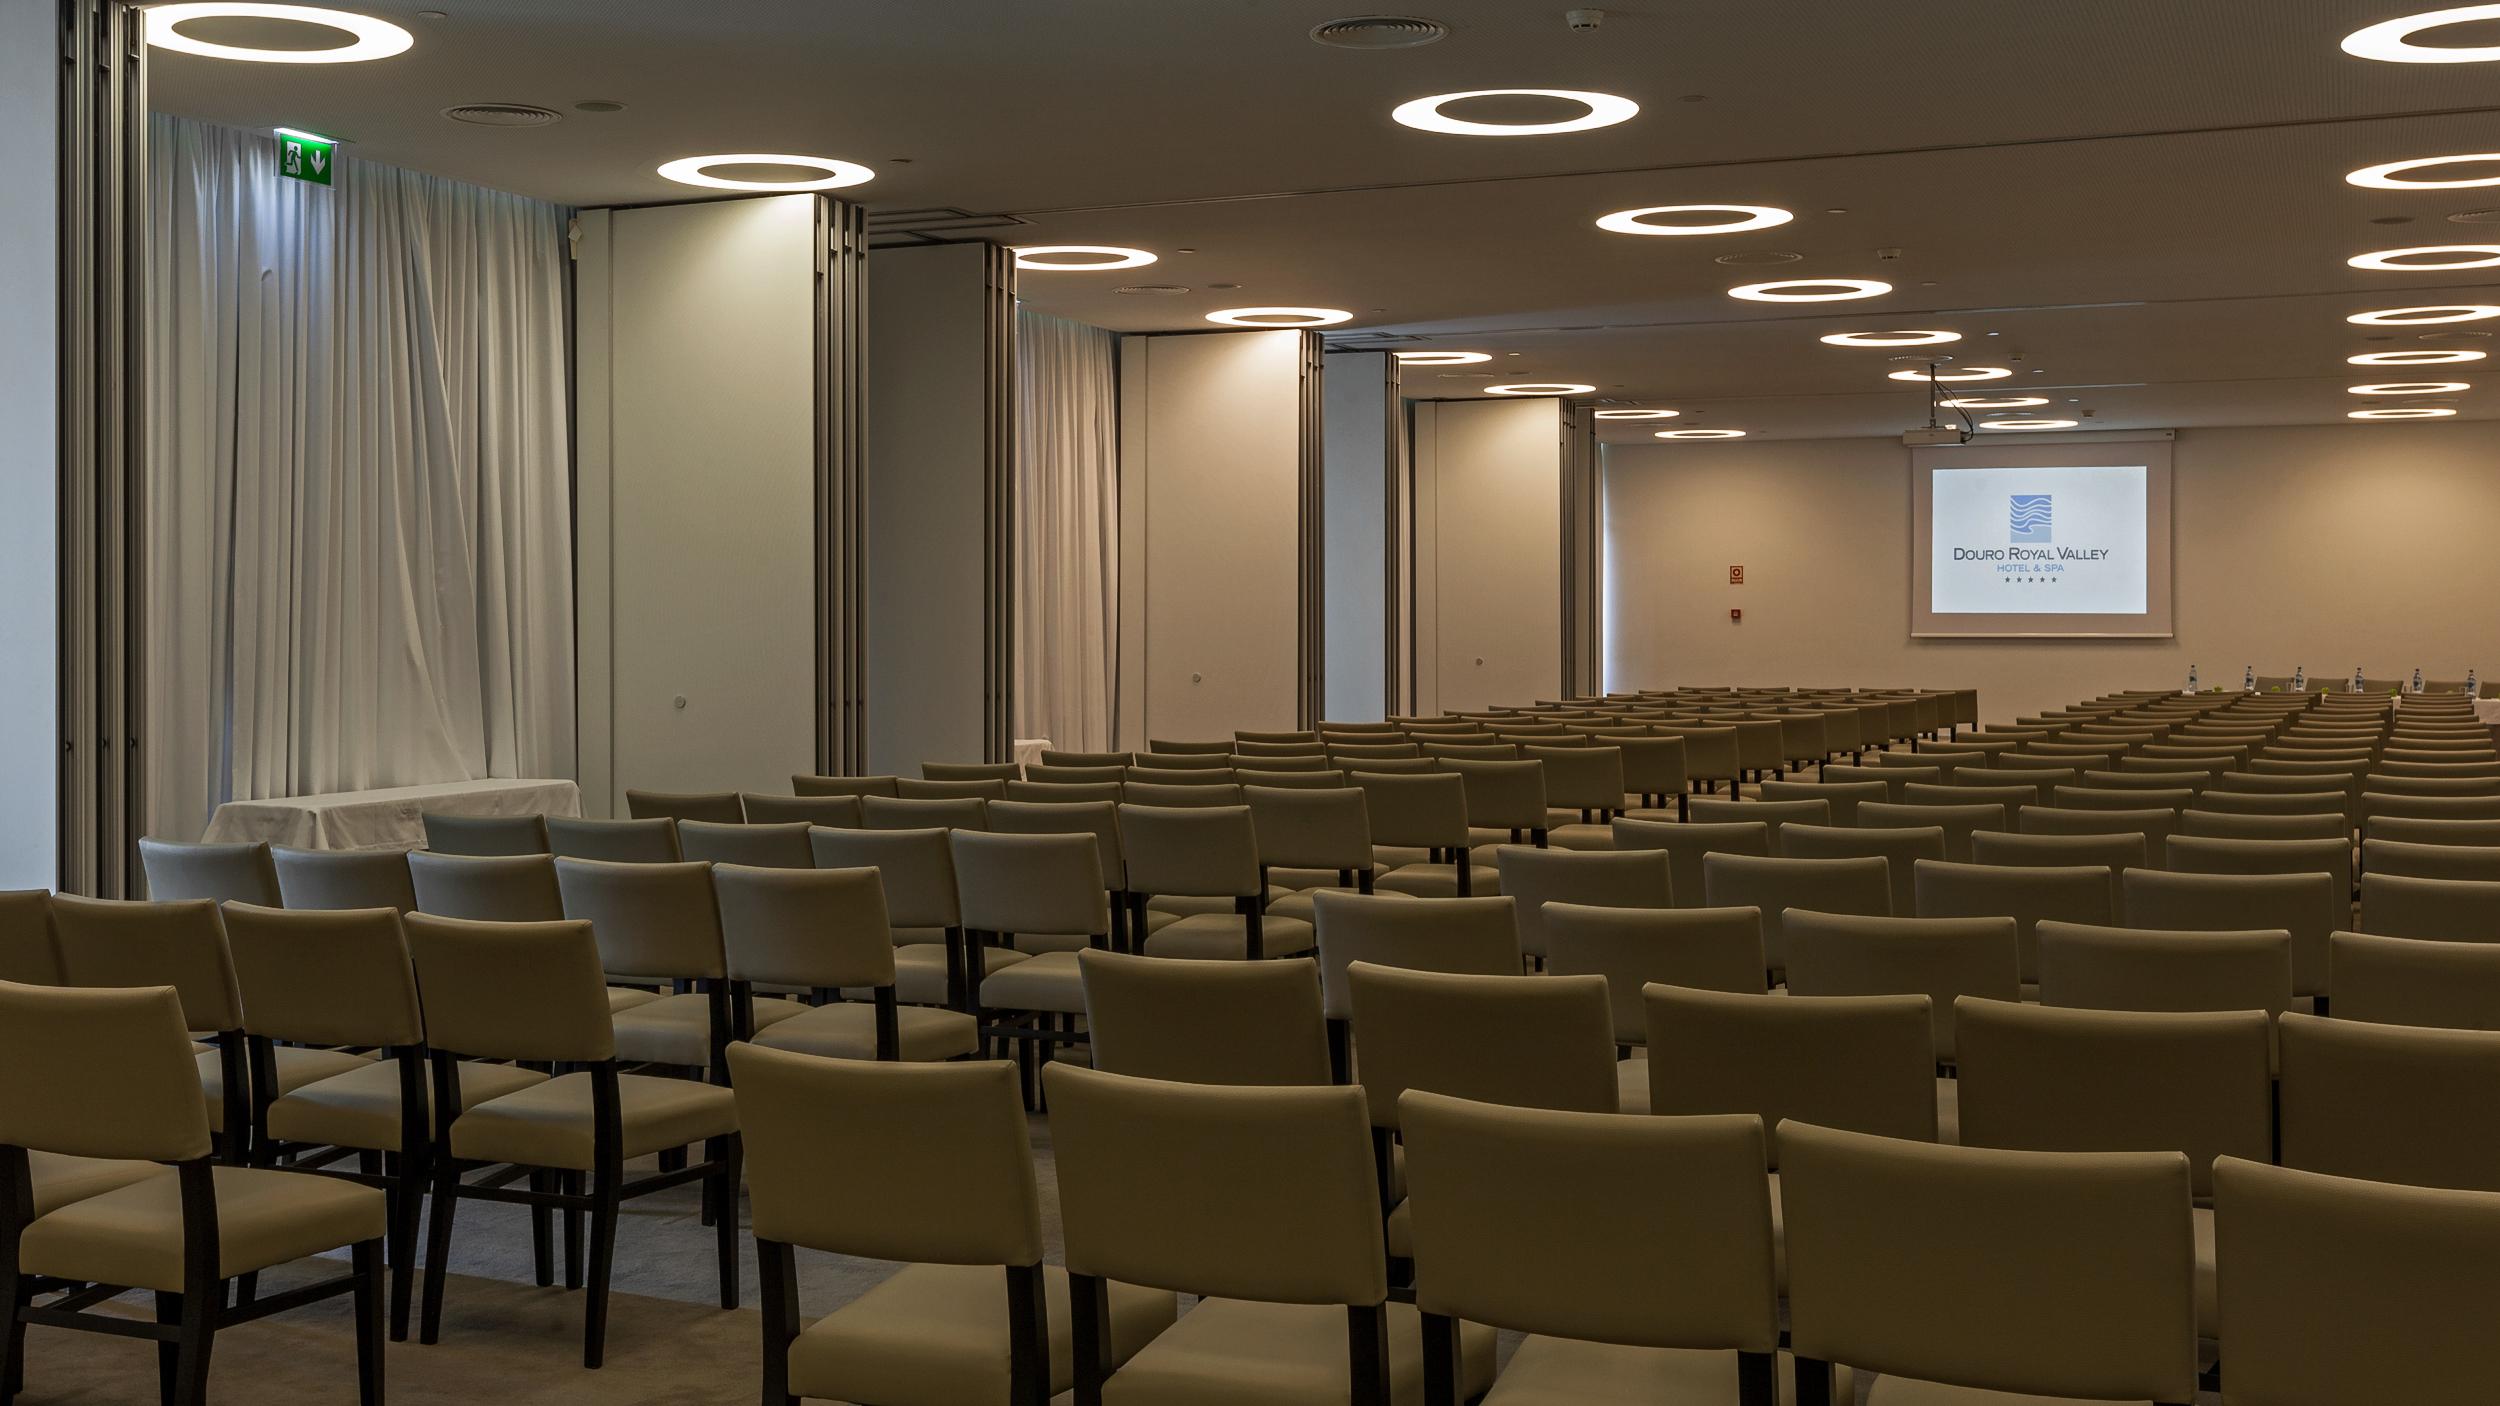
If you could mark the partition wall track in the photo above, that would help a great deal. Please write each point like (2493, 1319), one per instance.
(841, 487)
(998, 484)
(1312, 636)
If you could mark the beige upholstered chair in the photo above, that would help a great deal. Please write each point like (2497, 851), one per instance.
(1832, 954)
(917, 870)
(534, 993)
(2007, 799)
(763, 809)
(2411, 830)
(1505, 799)
(661, 923)
(485, 834)
(2410, 981)
(1077, 775)
(1311, 839)
(2116, 853)
(805, 785)
(1959, 822)
(2204, 854)
(242, 872)
(344, 878)
(1897, 1259)
(1713, 810)
(1844, 797)
(1098, 817)
(1183, 754)
(1685, 845)
(2026, 894)
(1205, 1022)
(2291, 825)
(929, 1166)
(1207, 853)
(1475, 936)
(101, 1082)
(2308, 906)
(1709, 949)
(969, 771)
(992, 788)
(502, 888)
(1190, 789)
(1900, 847)
(642, 841)
(1533, 877)
(2155, 824)
(1861, 886)
(897, 813)
(2391, 1103)
(1420, 832)
(720, 807)
(1585, 786)
(2347, 1290)
(2449, 910)
(824, 931)
(1044, 892)
(1281, 1239)
(2139, 969)
(30, 952)
(780, 845)
(1053, 757)
(1653, 1276)
(1319, 778)
(1861, 1062)
(2473, 863)
(1054, 792)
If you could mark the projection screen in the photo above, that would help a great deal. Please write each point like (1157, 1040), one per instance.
(2041, 541)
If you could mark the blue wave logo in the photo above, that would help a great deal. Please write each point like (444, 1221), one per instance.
(2029, 519)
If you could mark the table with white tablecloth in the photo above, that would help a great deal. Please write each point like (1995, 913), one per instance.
(393, 818)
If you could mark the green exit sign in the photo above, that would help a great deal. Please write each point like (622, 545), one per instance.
(307, 156)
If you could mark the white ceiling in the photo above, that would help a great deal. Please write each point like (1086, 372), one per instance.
(2143, 197)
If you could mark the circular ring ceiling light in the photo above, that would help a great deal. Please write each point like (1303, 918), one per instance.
(1967, 373)
(1638, 414)
(1442, 358)
(1604, 110)
(1540, 388)
(2384, 177)
(2391, 41)
(2026, 424)
(695, 171)
(1081, 258)
(2425, 316)
(1699, 434)
(2401, 412)
(1280, 317)
(2452, 256)
(1903, 338)
(2425, 357)
(1996, 402)
(1811, 290)
(2411, 388)
(372, 38)
(1747, 217)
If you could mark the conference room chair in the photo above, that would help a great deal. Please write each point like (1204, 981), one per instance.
(1494, 751)
(1060, 792)
(529, 993)
(1460, 936)
(932, 813)
(2474, 863)
(2043, 781)
(512, 888)
(1842, 797)
(2115, 851)
(1505, 802)
(2250, 783)
(1202, 854)
(1215, 756)
(803, 784)
(1421, 836)
(1312, 760)
(2339, 804)
(2206, 854)
(2118, 798)
(2142, 969)
(30, 952)
(2390, 1103)
(2028, 894)
(978, 788)
(2111, 779)
(965, 771)
(1283, 1243)
(485, 834)
(2235, 825)
(643, 841)
(1835, 954)
(2077, 757)
(106, 1076)
(764, 809)
(1161, 748)
(2041, 1274)
(720, 807)
(344, 878)
(1959, 822)
(2394, 785)
(2154, 824)
(1655, 769)
(1943, 763)
(1344, 753)
(917, 870)
(2008, 800)
(1311, 840)
(1711, 756)
(1707, 949)
(1585, 788)
(1718, 810)
(1076, 775)
(2411, 830)
(2306, 905)
(660, 923)
(1205, 1022)
(1531, 878)
(1211, 788)
(1775, 885)
(1052, 757)
(2415, 981)
(1318, 779)
(1891, 778)
(242, 872)
(1098, 817)
(1654, 1276)
(1899, 848)
(824, 932)
(1046, 895)
(2376, 806)
(2433, 764)
(2174, 760)
(343, 978)
(778, 845)
(945, 1186)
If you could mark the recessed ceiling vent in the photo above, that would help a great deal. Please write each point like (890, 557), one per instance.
(1761, 258)
(1380, 32)
(1163, 289)
(2475, 217)
(502, 115)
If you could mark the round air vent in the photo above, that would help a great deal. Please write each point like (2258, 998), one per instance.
(1380, 32)
(502, 115)
(1760, 258)
(1162, 288)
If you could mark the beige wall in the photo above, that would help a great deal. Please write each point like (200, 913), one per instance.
(2326, 546)
(1488, 552)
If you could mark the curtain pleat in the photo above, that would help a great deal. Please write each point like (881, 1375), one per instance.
(1067, 598)
(359, 505)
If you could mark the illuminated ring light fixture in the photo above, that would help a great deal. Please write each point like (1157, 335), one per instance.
(1967, 373)
(1996, 402)
(2384, 177)
(2401, 412)
(1794, 290)
(1280, 317)
(1699, 434)
(2426, 316)
(2391, 41)
(2019, 424)
(1604, 110)
(373, 38)
(2458, 256)
(1638, 414)
(693, 171)
(1442, 358)
(1747, 217)
(1080, 258)
(1540, 388)
(2410, 388)
(2424, 357)
(1904, 338)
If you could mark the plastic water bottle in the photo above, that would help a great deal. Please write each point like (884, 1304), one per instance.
(2300, 678)
(2248, 681)
(2191, 678)
(2356, 682)
(2417, 678)
(2472, 689)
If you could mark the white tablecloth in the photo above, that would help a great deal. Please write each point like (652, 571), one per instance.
(386, 819)
(1029, 750)
(2488, 709)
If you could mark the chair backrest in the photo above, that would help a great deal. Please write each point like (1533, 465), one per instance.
(1478, 936)
(1581, 778)
(966, 771)
(2027, 894)
(977, 789)
(99, 1073)
(2062, 1080)
(719, 807)
(242, 872)
(1663, 1239)
(1862, 1062)
(1058, 793)
(2116, 853)
(1038, 884)
(1426, 809)
(344, 878)
(2472, 863)
(1844, 796)
(2232, 824)
(2409, 981)
(1502, 794)
(1713, 810)
(1528, 1041)
(2209, 854)
(1861, 886)
(1959, 822)
(1311, 828)
(1283, 1206)
(1686, 844)
(897, 813)
(647, 841)
(805, 785)
(1209, 852)
(2138, 969)
(1181, 755)
(804, 927)
(2396, 1103)
(1899, 847)
(2346, 1290)
(325, 977)
(781, 845)
(1533, 877)
(916, 867)
(1708, 949)
(181, 944)
(2448, 910)
(506, 888)
(652, 920)
(485, 834)
(1201, 789)
(1898, 1263)
(947, 1177)
(2419, 831)
(1837, 954)
(1076, 775)
(1052, 757)
(1205, 1022)
(2307, 905)
(518, 991)
(1099, 818)
(2007, 799)
(30, 952)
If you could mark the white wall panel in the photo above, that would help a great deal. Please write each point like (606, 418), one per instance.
(1362, 409)
(1489, 568)
(30, 163)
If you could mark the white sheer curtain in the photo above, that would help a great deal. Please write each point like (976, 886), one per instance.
(1067, 531)
(358, 506)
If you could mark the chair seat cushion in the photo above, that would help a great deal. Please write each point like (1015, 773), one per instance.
(2208, 1304)
(59, 1180)
(1568, 1372)
(296, 1066)
(133, 1236)
(625, 998)
(1228, 1352)
(1189, 905)
(549, 1124)
(849, 1031)
(360, 1108)
(1632, 1084)
(1907, 1391)
(1579, 836)
(920, 972)
(1439, 881)
(1299, 906)
(936, 1335)
(1049, 982)
(677, 1030)
(1226, 936)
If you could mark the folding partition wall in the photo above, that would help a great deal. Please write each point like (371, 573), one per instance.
(1495, 490)
(1364, 517)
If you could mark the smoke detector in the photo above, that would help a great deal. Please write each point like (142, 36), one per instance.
(1380, 32)
(502, 115)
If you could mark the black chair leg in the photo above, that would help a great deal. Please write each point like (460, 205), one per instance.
(446, 1200)
(728, 1152)
(407, 1214)
(198, 1334)
(542, 1232)
(369, 1325)
(168, 1354)
(604, 1188)
(571, 1184)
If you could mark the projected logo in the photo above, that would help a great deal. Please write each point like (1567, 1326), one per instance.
(2028, 519)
